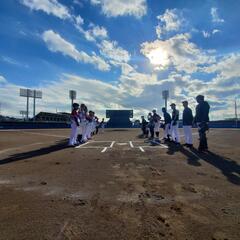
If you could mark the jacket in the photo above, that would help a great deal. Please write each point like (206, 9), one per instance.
(202, 112)
(187, 117)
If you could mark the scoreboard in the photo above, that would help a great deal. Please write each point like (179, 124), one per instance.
(119, 118)
(119, 113)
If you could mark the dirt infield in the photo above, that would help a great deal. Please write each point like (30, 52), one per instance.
(118, 187)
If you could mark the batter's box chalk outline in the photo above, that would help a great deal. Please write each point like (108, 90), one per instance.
(104, 149)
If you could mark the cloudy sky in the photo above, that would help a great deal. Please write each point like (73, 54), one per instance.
(120, 54)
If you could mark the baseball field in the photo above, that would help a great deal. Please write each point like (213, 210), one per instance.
(117, 186)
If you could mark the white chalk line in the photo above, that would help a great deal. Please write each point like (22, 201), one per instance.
(131, 144)
(141, 149)
(96, 141)
(113, 142)
(157, 146)
(81, 146)
(104, 150)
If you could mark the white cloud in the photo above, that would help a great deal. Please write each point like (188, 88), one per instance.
(56, 43)
(215, 31)
(112, 51)
(2, 79)
(115, 8)
(79, 20)
(95, 32)
(138, 91)
(177, 51)
(78, 2)
(12, 61)
(98, 96)
(48, 6)
(215, 16)
(227, 67)
(170, 21)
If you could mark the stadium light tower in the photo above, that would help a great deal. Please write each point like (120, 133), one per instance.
(28, 93)
(36, 94)
(165, 95)
(72, 96)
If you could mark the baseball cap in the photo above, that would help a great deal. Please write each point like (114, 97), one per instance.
(200, 97)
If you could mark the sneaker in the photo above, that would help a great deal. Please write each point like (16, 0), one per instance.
(70, 145)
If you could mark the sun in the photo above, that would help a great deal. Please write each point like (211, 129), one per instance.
(159, 57)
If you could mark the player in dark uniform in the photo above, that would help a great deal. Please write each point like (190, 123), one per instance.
(157, 124)
(202, 120)
(151, 125)
(144, 124)
(167, 124)
(187, 124)
(174, 125)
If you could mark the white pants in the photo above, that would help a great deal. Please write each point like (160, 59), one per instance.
(157, 126)
(174, 132)
(73, 136)
(89, 130)
(188, 134)
(84, 131)
(167, 130)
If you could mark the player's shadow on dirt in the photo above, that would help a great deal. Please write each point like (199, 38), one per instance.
(228, 167)
(191, 157)
(35, 153)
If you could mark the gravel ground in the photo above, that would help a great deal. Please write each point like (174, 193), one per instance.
(118, 187)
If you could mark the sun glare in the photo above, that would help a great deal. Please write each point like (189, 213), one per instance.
(158, 57)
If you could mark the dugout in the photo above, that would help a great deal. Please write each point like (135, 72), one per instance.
(119, 118)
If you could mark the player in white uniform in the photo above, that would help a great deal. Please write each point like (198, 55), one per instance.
(174, 125)
(83, 123)
(74, 125)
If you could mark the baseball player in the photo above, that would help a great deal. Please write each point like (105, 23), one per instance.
(151, 125)
(156, 120)
(174, 124)
(74, 125)
(102, 125)
(89, 127)
(202, 120)
(144, 124)
(97, 124)
(83, 118)
(167, 124)
(187, 124)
